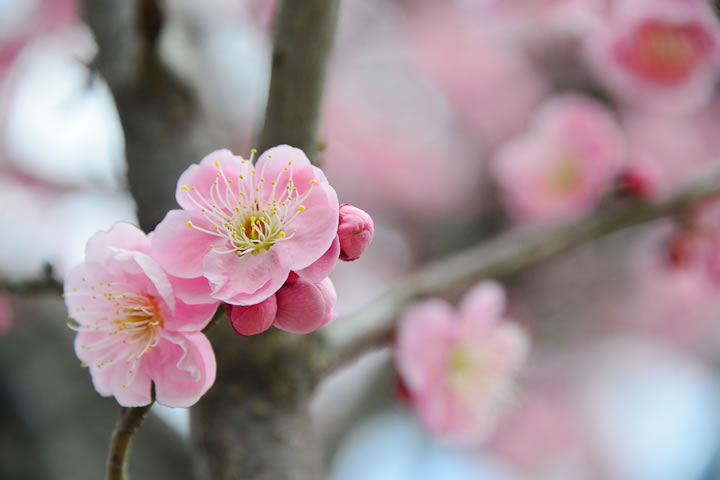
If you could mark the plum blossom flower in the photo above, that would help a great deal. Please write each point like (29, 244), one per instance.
(355, 232)
(659, 53)
(244, 227)
(457, 366)
(133, 328)
(298, 307)
(559, 169)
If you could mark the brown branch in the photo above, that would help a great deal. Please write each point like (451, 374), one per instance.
(303, 41)
(254, 422)
(499, 257)
(128, 424)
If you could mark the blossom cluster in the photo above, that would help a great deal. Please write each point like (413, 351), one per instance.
(261, 237)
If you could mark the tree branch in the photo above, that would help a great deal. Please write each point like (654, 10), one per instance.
(164, 129)
(254, 422)
(303, 42)
(499, 257)
(128, 424)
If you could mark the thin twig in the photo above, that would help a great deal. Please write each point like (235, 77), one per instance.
(128, 424)
(499, 257)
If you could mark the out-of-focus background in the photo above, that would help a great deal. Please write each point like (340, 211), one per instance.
(448, 122)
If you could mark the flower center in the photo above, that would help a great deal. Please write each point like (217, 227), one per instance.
(126, 325)
(564, 177)
(248, 214)
(664, 53)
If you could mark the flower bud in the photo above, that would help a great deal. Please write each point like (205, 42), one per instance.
(355, 232)
(253, 319)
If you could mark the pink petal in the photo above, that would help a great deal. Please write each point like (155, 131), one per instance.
(273, 161)
(190, 318)
(245, 280)
(316, 231)
(323, 266)
(182, 368)
(131, 394)
(483, 305)
(252, 319)
(192, 291)
(78, 281)
(303, 307)
(139, 263)
(424, 340)
(101, 246)
(204, 175)
(511, 347)
(180, 249)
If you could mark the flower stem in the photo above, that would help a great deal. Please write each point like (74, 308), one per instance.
(128, 424)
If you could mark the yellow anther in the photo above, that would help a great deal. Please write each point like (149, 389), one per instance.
(313, 181)
(188, 223)
(217, 164)
(253, 150)
(282, 234)
(185, 187)
(211, 245)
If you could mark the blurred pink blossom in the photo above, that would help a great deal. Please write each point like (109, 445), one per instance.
(355, 232)
(133, 330)
(544, 434)
(476, 77)
(245, 227)
(672, 297)
(298, 307)
(458, 366)
(665, 153)
(29, 20)
(537, 21)
(392, 136)
(658, 53)
(561, 167)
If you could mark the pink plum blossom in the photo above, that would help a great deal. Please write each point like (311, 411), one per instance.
(133, 329)
(458, 366)
(561, 167)
(244, 227)
(298, 307)
(658, 53)
(355, 232)
(665, 153)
